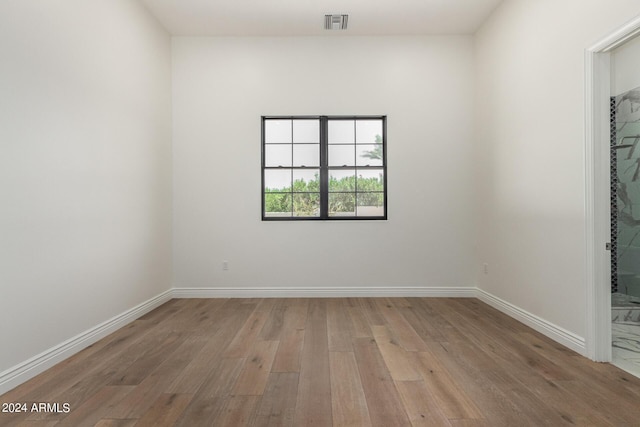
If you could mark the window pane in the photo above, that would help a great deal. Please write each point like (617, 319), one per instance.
(342, 204)
(368, 131)
(277, 204)
(306, 155)
(306, 131)
(306, 204)
(342, 180)
(277, 180)
(370, 204)
(277, 131)
(341, 131)
(342, 155)
(369, 155)
(277, 155)
(306, 180)
(370, 180)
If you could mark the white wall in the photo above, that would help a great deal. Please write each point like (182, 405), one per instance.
(222, 86)
(625, 67)
(85, 168)
(530, 139)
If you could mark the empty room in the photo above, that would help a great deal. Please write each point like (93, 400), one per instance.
(332, 213)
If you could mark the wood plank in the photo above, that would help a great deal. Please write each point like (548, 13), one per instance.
(508, 346)
(495, 316)
(568, 407)
(313, 405)
(103, 373)
(405, 335)
(571, 408)
(246, 336)
(420, 405)
(143, 366)
(186, 317)
(602, 374)
(526, 402)
(157, 383)
(165, 411)
(209, 399)
(430, 312)
(52, 383)
(79, 377)
(359, 324)
(38, 423)
(274, 325)
(493, 405)
(295, 317)
(36, 385)
(292, 336)
(348, 402)
(201, 412)
(424, 326)
(199, 368)
(492, 398)
(338, 326)
(278, 404)
(369, 309)
(383, 400)
(450, 397)
(289, 351)
(395, 357)
(166, 310)
(110, 422)
(94, 408)
(238, 411)
(470, 423)
(257, 367)
(592, 396)
(203, 317)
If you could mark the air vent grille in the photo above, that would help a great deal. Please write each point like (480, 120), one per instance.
(336, 22)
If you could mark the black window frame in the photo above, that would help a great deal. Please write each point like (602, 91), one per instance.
(324, 169)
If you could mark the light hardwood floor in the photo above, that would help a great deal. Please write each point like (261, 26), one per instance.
(322, 362)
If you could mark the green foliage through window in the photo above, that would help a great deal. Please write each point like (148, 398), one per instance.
(304, 200)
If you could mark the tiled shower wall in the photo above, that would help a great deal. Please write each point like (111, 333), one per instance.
(625, 193)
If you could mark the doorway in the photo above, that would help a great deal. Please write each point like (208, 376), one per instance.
(603, 191)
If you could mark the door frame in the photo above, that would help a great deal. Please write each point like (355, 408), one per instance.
(597, 189)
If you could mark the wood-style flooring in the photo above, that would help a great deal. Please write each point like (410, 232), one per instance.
(322, 362)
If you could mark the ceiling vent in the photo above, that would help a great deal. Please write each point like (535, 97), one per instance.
(336, 22)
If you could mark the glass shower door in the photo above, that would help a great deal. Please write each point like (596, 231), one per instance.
(625, 230)
(626, 188)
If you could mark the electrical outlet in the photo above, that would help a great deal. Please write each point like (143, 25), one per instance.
(225, 265)
(485, 268)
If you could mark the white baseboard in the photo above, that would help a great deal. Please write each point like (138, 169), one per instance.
(556, 333)
(325, 292)
(24, 371)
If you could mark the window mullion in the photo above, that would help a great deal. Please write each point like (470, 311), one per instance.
(324, 173)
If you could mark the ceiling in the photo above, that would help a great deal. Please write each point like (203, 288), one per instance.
(306, 17)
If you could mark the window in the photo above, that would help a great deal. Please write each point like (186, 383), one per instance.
(324, 167)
